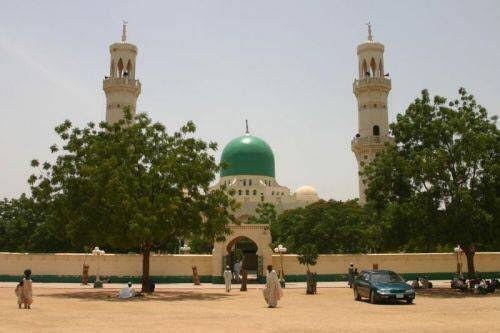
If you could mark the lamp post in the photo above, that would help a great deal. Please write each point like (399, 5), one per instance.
(97, 252)
(281, 250)
(184, 249)
(458, 252)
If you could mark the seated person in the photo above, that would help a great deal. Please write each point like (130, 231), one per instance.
(127, 292)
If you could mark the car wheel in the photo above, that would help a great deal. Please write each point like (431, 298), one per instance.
(357, 296)
(373, 298)
(409, 301)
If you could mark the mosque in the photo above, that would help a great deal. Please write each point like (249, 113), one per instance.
(250, 163)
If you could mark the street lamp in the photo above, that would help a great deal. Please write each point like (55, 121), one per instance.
(281, 250)
(185, 248)
(97, 252)
(458, 252)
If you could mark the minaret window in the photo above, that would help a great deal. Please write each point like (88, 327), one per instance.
(373, 67)
(376, 130)
(364, 69)
(129, 69)
(120, 68)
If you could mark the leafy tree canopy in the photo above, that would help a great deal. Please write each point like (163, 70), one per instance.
(440, 180)
(132, 185)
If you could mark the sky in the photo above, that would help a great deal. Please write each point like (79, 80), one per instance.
(286, 66)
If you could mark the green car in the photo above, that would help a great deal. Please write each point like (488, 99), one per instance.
(382, 285)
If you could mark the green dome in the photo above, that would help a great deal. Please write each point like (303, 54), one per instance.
(248, 155)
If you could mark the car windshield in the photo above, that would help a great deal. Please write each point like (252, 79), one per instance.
(386, 277)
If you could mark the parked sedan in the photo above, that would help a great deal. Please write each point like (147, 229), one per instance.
(382, 285)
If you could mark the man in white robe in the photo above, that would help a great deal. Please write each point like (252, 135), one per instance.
(272, 292)
(127, 292)
(227, 278)
(237, 270)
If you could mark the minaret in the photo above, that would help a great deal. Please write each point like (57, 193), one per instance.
(371, 89)
(121, 87)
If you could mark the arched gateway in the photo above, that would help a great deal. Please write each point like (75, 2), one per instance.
(252, 240)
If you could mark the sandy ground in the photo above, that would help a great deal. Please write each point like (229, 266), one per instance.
(80, 309)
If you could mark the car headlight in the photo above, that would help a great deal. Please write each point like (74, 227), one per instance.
(384, 291)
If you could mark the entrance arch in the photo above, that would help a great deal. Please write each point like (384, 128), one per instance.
(245, 250)
(252, 237)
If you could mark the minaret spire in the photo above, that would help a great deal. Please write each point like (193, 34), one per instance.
(370, 36)
(124, 31)
(246, 125)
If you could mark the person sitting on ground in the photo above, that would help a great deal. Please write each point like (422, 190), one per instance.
(127, 292)
(27, 289)
(19, 293)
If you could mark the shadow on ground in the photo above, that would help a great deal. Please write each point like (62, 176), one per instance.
(450, 293)
(171, 296)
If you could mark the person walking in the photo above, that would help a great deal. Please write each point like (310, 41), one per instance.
(272, 292)
(227, 278)
(350, 274)
(27, 289)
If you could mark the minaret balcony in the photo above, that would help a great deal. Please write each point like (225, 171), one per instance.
(368, 83)
(110, 82)
(372, 140)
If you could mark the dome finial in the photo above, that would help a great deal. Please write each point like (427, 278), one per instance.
(246, 125)
(370, 36)
(124, 31)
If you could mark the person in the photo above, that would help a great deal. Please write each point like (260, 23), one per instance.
(127, 292)
(350, 274)
(272, 291)
(19, 293)
(27, 289)
(227, 278)
(237, 270)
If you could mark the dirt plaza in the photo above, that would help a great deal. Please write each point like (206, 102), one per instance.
(183, 308)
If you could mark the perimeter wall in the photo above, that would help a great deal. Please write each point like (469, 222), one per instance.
(67, 267)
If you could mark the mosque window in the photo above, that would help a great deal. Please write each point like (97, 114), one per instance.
(239, 192)
(376, 130)
(375, 105)
(244, 182)
(254, 192)
(272, 193)
(247, 192)
(249, 182)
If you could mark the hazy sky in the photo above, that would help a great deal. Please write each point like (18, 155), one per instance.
(287, 66)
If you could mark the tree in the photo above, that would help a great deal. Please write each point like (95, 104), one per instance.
(132, 186)
(332, 226)
(264, 214)
(308, 255)
(23, 227)
(440, 174)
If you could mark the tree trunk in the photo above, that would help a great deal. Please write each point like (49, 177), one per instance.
(145, 269)
(469, 254)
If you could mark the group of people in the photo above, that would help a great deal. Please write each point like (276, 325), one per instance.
(272, 291)
(24, 291)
